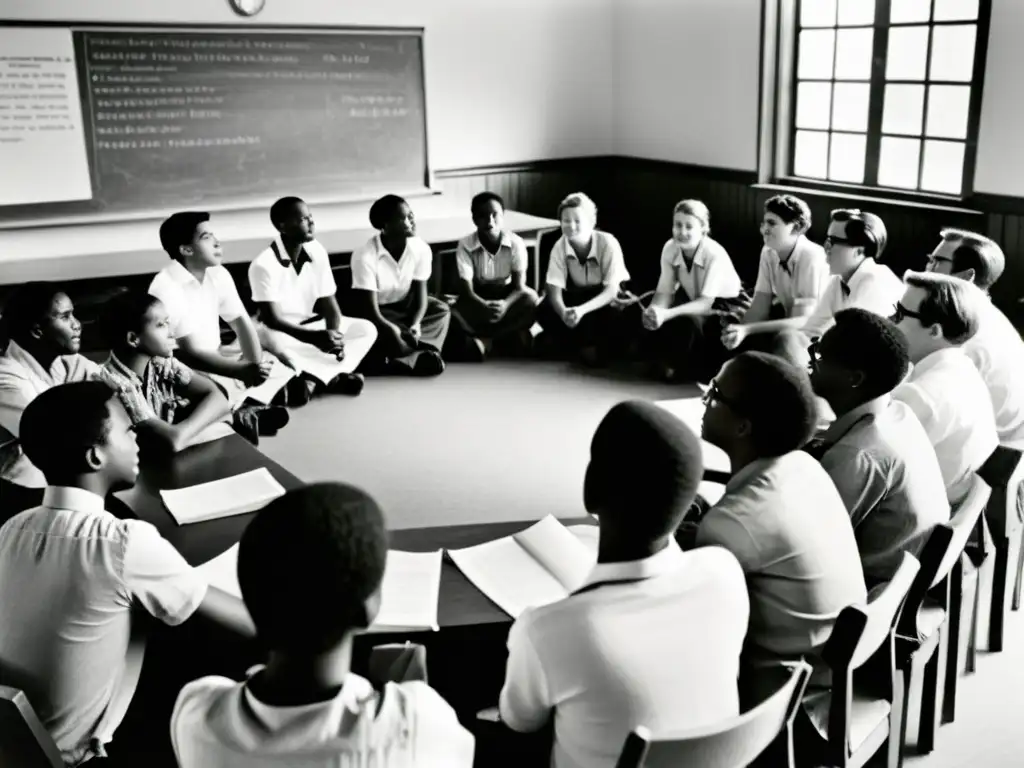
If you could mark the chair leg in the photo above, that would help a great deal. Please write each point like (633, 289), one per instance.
(928, 720)
(953, 645)
(1020, 574)
(997, 612)
(971, 661)
(897, 742)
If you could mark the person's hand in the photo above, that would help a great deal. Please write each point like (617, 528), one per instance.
(416, 330)
(653, 318)
(255, 374)
(624, 299)
(572, 317)
(497, 309)
(336, 336)
(733, 335)
(397, 342)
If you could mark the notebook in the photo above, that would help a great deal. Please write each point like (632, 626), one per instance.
(222, 498)
(537, 566)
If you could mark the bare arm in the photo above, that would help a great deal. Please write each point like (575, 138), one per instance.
(210, 361)
(274, 318)
(211, 406)
(603, 299)
(466, 292)
(248, 338)
(557, 301)
(366, 307)
(327, 307)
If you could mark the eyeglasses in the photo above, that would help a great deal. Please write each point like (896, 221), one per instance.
(714, 395)
(933, 259)
(831, 240)
(902, 312)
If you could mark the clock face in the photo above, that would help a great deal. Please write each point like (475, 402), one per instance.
(248, 7)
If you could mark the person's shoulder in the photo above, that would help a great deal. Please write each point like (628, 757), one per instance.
(163, 281)
(717, 565)
(810, 250)
(367, 249)
(316, 251)
(714, 248)
(265, 260)
(669, 250)
(607, 240)
(420, 246)
(198, 697)
(470, 242)
(515, 240)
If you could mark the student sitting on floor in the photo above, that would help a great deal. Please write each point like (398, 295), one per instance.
(197, 293)
(585, 270)
(936, 315)
(292, 283)
(389, 282)
(653, 638)
(306, 707)
(791, 277)
(167, 403)
(781, 516)
(71, 573)
(876, 451)
(495, 306)
(40, 336)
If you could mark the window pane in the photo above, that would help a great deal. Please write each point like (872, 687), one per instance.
(903, 110)
(850, 106)
(811, 156)
(947, 111)
(943, 166)
(817, 13)
(897, 162)
(816, 48)
(813, 104)
(956, 10)
(853, 54)
(902, 11)
(854, 13)
(846, 157)
(908, 51)
(953, 53)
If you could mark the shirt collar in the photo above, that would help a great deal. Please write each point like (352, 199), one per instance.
(180, 274)
(281, 253)
(699, 258)
(740, 478)
(936, 359)
(570, 253)
(75, 499)
(22, 356)
(862, 273)
(845, 423)
(123, 370)
(355, 692)
(794, 256)
(503, 241)
(657, 564)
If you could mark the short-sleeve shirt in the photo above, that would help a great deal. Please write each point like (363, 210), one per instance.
(709, 274)
(873, 287)
(997, 351)
(799, 280)
(605, 265)
(296, 287)
(375, 269)
(195, 308)
(481, 267)
(70, 573)
(156, 395)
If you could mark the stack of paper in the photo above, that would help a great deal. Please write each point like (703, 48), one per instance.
(222, 498)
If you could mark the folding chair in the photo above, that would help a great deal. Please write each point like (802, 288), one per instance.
(24, 742)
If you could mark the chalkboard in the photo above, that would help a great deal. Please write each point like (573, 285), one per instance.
(233, 117)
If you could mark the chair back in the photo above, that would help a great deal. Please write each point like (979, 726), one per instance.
(24, 741)
(1004, 473)
(444, 277)
(732, 744)
(879, 620)
(965, 518)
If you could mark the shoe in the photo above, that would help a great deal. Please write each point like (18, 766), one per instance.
(476, 350)
(428, 364)
(270, 419)
(246, 424)
(347, 384)
(299, 391)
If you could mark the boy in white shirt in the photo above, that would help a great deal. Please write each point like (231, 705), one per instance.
(306, 708)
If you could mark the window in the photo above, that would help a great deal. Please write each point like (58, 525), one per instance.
(885, 93)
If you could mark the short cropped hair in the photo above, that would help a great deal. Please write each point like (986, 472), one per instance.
(281, 209)
(62, 423)
(307, 564)
(953, 304)
(977, 252)
(863, 341)
(694, 208)
(384, 209)
(863, 230)
(791, 209)
(27, 307)
(124, 314)
(179, 229)
(777, 399)
(578, 200)
(483, 198)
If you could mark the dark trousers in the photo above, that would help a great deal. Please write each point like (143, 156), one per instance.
(790, 343)
(434, 329)
(601, 329)
(475, 320)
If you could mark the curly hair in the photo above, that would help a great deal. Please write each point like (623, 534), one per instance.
(791, 209)
(863, 341)
(776, 397)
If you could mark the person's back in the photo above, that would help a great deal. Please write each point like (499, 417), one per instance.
(997, 351)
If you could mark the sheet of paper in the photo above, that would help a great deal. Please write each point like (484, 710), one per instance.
(409, 594)
(690, 411)
(280, 374)
(222, 498)
(589, 536)
(552, 545)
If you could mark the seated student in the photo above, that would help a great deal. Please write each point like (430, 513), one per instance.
(198, 292)
(71, 573)
(997, 349)
(876, 451)
(781, 516)
(936, 315)
(40, 336)
(389, 281)
(306, 707)
(167, 404)
(654, 636)
(291, 283)
(854, 242)
(585, 270)
(698, 278)
(791, 277)
(495, 306)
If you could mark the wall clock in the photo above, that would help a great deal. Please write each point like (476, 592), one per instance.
(247, 7)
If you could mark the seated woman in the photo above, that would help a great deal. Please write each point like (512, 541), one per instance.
(389, 281)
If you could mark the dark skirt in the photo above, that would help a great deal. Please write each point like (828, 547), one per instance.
(602, 329)
(473, 320)
(434, 330)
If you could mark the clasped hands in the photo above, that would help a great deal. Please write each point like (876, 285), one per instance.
(332, 342)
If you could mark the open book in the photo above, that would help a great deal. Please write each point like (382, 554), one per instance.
(540, 565)
(222, 498)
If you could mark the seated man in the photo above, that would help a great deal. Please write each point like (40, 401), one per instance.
(653, 637)
(71, 573)
(876, 451)
(936, 315)
(306, 707)
(781, 517)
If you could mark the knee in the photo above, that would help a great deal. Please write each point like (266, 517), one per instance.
(437, 307)
(363, 329)
(529, 297)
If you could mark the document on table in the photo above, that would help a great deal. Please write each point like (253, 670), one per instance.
(222, 498)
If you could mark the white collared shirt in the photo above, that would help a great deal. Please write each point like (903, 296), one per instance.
(662, 652)
(873, 287)
(375, 269)
(476, 264)
(997, 351)
(952, 402)
(219, 723)
(196, 308)
(275, 282)
(70, 573)
(604, 265)
(711, 274)
(798, 282)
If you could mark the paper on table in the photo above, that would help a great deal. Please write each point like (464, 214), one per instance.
(553, 546)
(264, 393)
(222, 498)
(690, 411)
(409, 594)
(222, 572)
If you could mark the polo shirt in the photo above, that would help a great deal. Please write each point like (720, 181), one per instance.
(375, 269)
(785, 522)
(997, 351)
(70, 574)
(219, 722)
(195, 307)
(873, 287)
(710, 274)
(22, 380)
(604, 265)
(799, 280)
(662, 652)
(950, 398)
(156, 395)
(478, 265)
(885, 469)
(274, 279)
